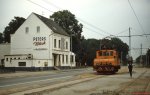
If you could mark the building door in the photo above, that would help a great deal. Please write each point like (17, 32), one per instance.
(55, 58)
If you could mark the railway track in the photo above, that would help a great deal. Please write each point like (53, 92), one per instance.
(138, 86)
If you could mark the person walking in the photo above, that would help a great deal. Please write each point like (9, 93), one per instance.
(130, 67)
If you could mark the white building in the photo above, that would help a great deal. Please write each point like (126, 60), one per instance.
(40, 42)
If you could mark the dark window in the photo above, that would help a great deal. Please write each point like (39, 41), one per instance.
(107, 53)
(100, 53)
(6, 59)
(21, 63)
(66, 58)
(54, 43)
(66, 45)
(71, 58)
(38, 29)
(27, 30)
(59, 43)
(104, 53)
(63, 58)
(10, 59)
(45, 64)
(59, 57)
(111, 53)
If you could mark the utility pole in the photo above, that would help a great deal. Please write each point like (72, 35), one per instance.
(129, 41)
(146, 59)
(100, 44)
(141, 55)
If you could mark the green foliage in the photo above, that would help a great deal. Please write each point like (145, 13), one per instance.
(148, 57)
(90, 47)
(12, 27)
(1, 38)
(70, 24)
(145, 59)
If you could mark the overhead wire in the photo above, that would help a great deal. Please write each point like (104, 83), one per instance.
(89, 24)
(85, 22)
(137, 18)
(40, 6)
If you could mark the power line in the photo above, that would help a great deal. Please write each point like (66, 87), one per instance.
(93, 31)
(40, 6)
(94, 26)
(52, 4)
(137, 18)
(85, 22)
(134, 35)
(139, 48)
(122, 31)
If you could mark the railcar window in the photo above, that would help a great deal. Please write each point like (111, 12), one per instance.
(104, 53)
(107, 53)
(111, 53)
(100, 53)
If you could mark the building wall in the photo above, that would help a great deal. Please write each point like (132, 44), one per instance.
(32, 42)
(4, 50)
(25, 43)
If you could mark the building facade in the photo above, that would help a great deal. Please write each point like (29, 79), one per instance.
(40, 42)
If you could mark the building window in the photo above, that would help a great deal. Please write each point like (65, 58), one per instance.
(10, 59)
(62, 58)
(6, 59)
(21, 63)
(59, 43)
(66, 59)
(27, 30)
(59, 58)
(54, 43)
(71, 58)
(38, 29)
(66, 45)
(45, 64)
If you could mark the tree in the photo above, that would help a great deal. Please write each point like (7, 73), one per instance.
(1, 38)
(13, 25)
(70, 24)
(90, 46)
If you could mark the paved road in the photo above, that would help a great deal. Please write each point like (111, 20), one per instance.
(12, 84)
(79, 82)
(118, 84)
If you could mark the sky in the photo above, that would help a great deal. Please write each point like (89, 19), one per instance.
(100, 18)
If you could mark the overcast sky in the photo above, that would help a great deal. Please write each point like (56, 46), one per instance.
(100, 18)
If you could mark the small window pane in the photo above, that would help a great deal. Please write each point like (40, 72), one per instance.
(66, 45)
(54, 43)
(27, 30)
(38, 29)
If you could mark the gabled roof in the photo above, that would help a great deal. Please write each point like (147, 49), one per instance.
(52, 25)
